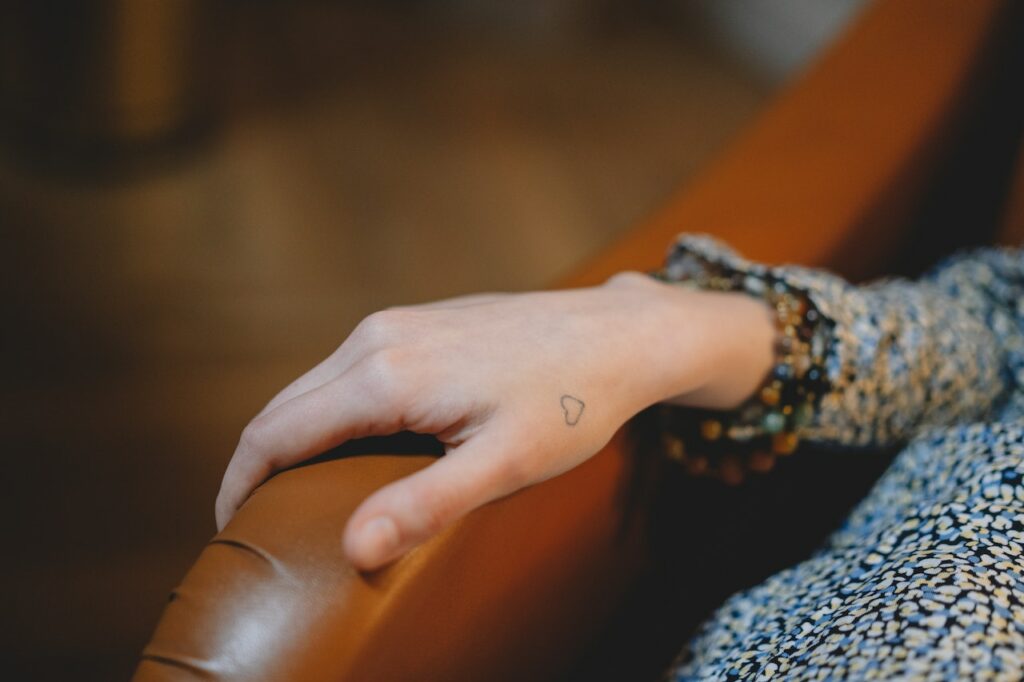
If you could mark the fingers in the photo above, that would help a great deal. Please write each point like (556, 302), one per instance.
(361, 402)
(366, 333)
(327, 369)
(408, 512)
(374, 332)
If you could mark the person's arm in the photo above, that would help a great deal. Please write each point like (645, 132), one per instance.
(519, 387)
(522, 387)
(904, 355)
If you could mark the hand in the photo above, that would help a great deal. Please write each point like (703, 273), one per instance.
(518, 387)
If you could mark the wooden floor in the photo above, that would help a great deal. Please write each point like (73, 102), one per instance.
(148, 315)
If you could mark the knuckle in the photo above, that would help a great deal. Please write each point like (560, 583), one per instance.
(386, 372)
(256, 434)
(381, 328)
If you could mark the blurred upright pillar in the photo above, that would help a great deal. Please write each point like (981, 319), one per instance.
(102, 75)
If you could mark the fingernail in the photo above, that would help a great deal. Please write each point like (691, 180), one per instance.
(378, 539)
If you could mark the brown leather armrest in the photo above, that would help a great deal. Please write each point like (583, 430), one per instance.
(826, 176)
(831, 173)
(272, 598)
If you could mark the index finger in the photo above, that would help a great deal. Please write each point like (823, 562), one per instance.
(359, 402)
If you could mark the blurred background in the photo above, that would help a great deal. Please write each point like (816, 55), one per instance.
(198, 200)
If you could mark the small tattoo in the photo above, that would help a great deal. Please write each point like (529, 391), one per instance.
(572, 408)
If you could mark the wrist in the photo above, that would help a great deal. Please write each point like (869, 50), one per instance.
(717, 347)
(767, 360)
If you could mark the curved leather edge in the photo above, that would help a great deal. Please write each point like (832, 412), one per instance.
(272, 598)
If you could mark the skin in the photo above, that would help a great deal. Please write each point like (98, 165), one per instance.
(519, 388)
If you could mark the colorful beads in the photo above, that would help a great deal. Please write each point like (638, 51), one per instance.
(784, 443)
(768, 424)
(674, 447)
(783, 372)
(711, 429)
(804, 414)
(771, 394)
(773, 422)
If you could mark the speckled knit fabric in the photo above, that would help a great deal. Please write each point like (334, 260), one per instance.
(925, 580)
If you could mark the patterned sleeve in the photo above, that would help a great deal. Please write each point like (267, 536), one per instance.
(904, 355)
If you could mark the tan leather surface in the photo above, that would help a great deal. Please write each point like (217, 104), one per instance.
(823, 178)
(271, 598)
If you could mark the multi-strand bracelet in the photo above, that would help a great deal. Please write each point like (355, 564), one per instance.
(768, 424)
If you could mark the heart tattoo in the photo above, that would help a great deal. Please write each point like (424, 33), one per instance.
(573, 409)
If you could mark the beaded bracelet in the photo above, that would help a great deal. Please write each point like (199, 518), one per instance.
(725, 443)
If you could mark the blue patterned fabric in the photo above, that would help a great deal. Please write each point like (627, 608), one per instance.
(925, 580)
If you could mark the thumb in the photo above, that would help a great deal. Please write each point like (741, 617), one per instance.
(403, 514)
